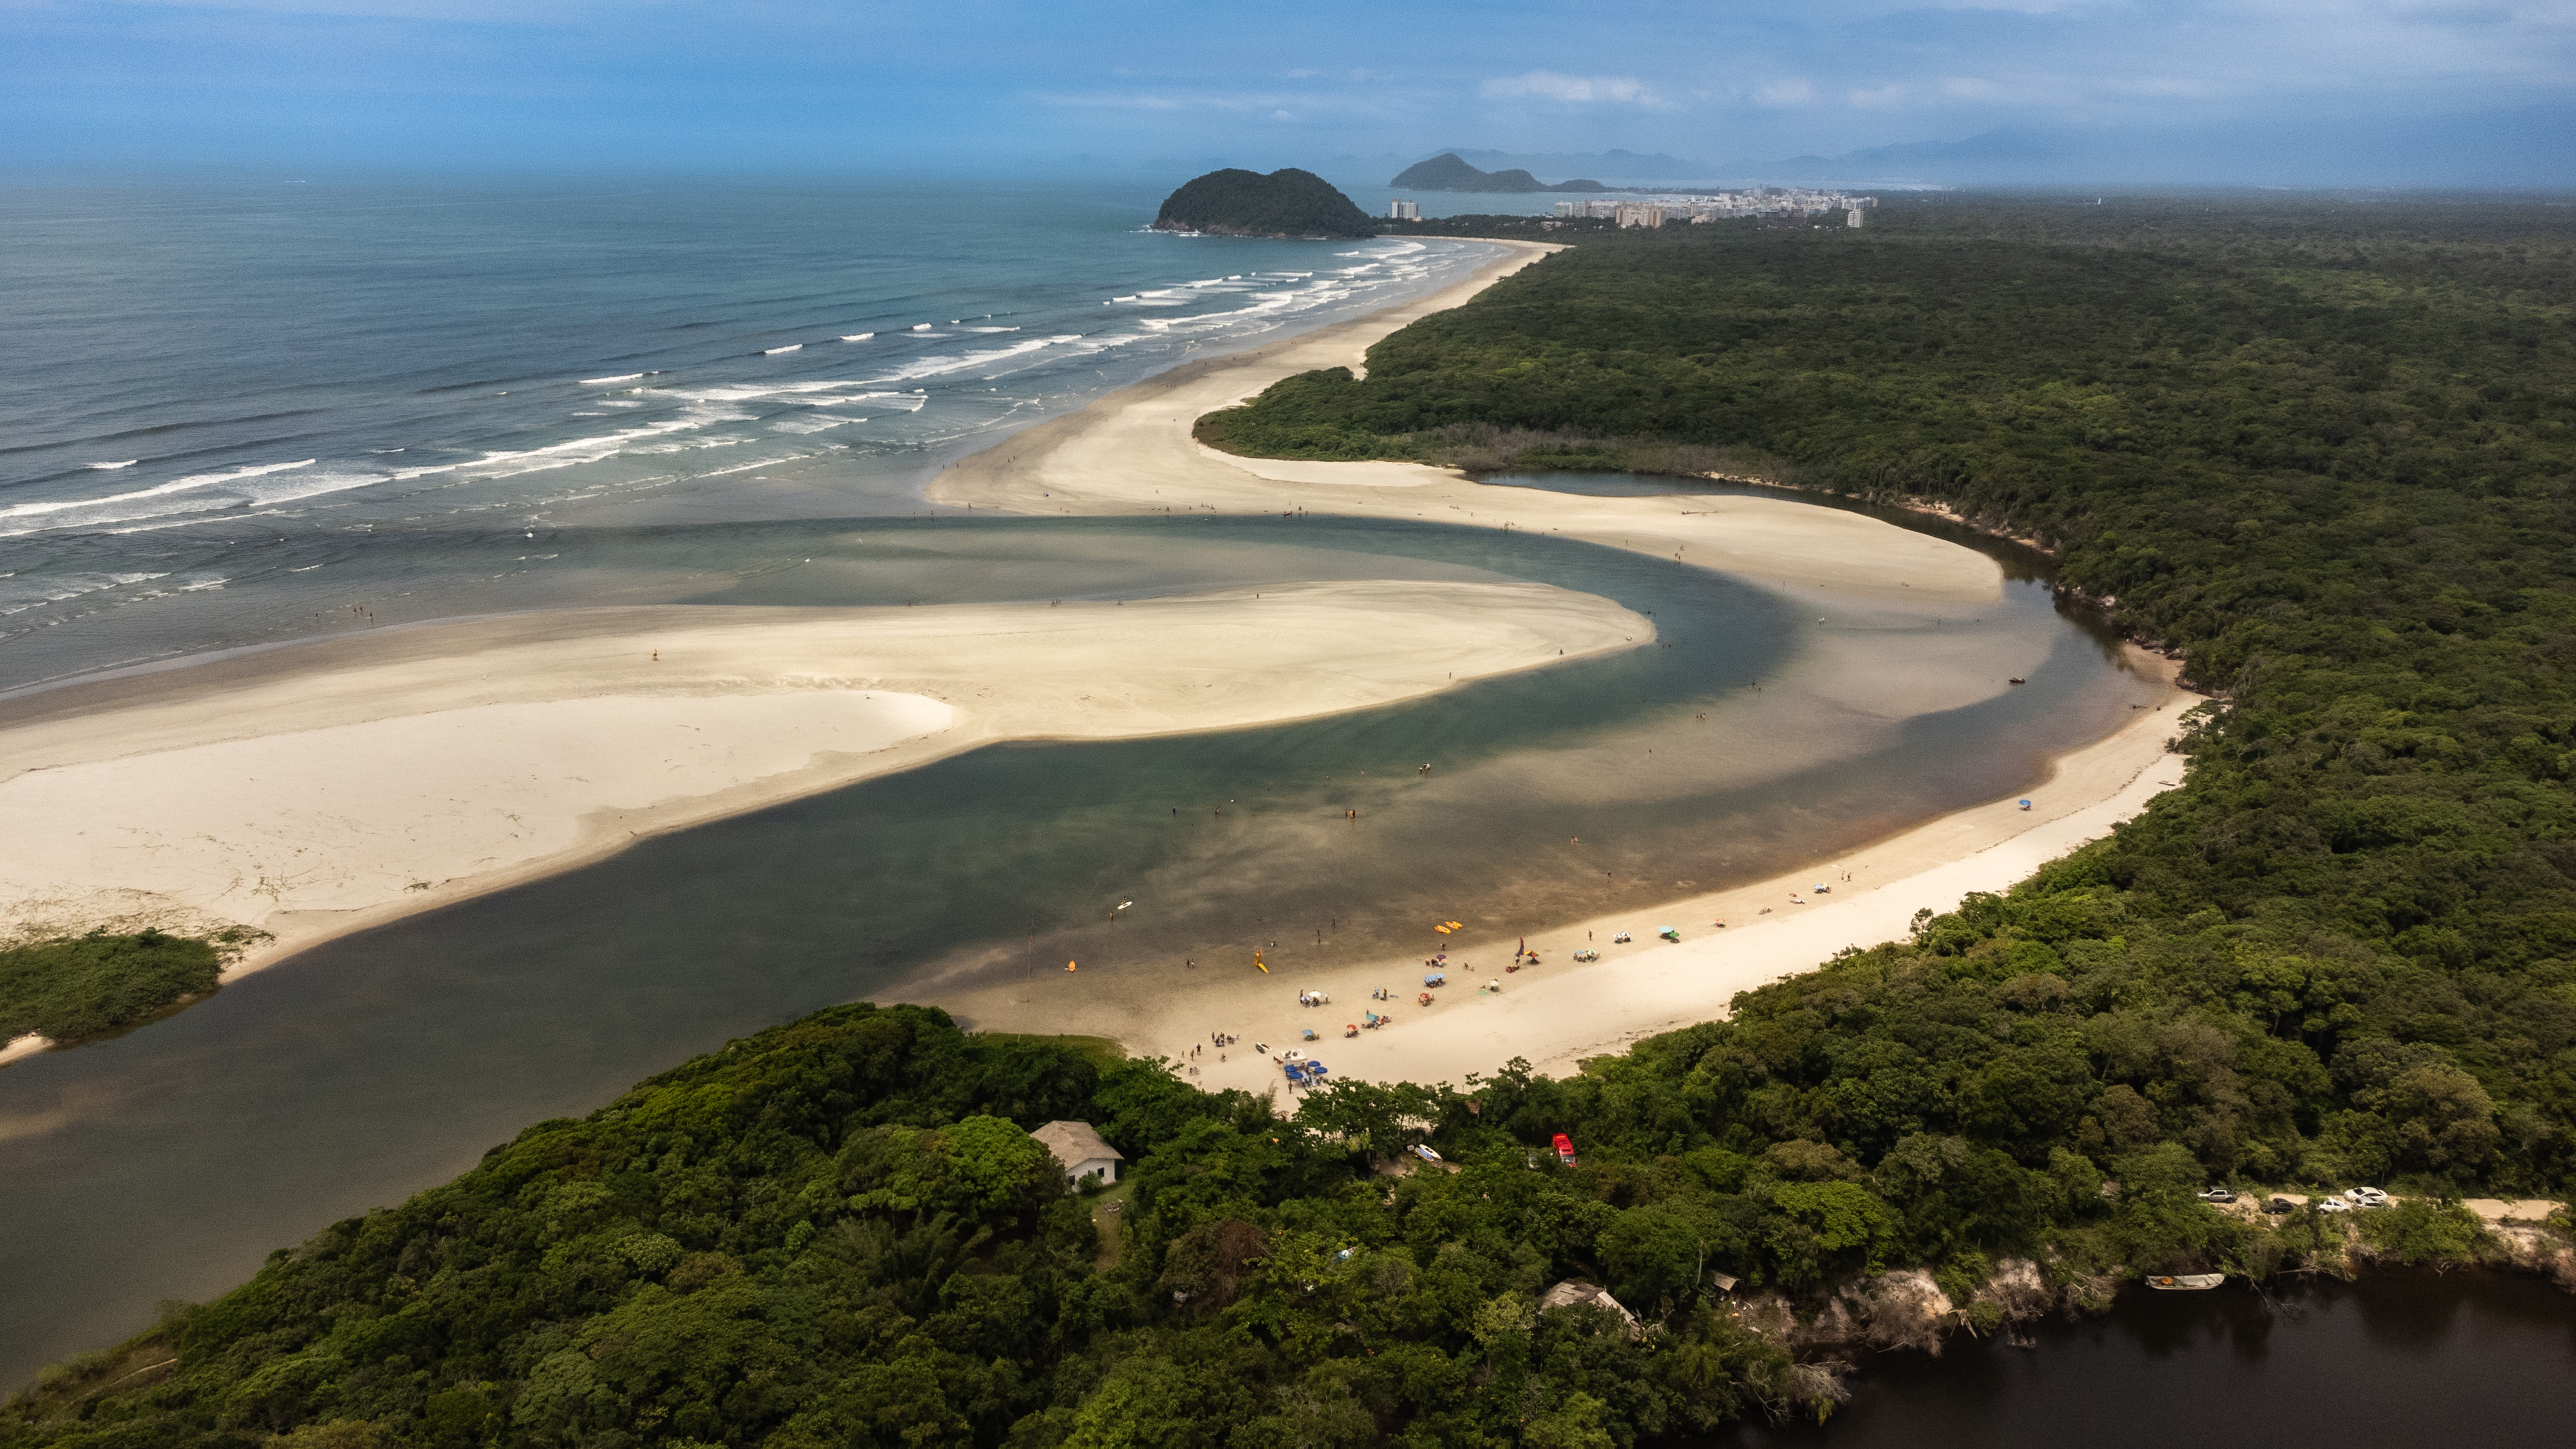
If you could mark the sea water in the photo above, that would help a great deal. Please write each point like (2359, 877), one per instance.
(250, 410)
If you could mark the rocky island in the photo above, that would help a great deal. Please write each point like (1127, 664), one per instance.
(1446, 172)
(1286, 203)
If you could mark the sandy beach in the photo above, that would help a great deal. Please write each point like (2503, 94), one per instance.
(1133, 452)
(1559, 1012)
(323, 788)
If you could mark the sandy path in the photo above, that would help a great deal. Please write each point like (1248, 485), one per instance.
(1133, 452)
(321, 789)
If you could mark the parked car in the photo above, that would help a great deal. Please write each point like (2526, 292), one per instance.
(2333, 1205)
(1423, 1151)
(2216, 1194)
(2367, 1197)
(1564, 1146)
(2280, 1205)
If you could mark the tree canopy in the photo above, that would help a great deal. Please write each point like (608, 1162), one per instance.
(2325, 451)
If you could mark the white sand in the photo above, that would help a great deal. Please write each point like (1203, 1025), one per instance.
(1890, 587)
(317, 790)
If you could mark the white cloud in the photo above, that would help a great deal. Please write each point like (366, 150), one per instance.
(1787, 91)
(1574, 89)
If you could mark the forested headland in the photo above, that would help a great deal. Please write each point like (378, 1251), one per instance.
(1286, 203)
(2322, 451)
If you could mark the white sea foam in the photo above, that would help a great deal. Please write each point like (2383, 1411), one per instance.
(37, 590)
(811, 424)
(940, 366)
(790, 347)
(605, 381)
(313, 485)
(858, 337)
(992, 329)
(190, 483)
(570, 451)
(112, 467)
(920, 326)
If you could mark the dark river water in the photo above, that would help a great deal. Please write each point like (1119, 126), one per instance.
(2398, 1360)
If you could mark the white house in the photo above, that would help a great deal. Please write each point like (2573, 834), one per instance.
(1081, 1151)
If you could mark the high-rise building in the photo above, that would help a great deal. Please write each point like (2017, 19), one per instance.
(1852, 217)
(1404, 211)
(1569, 208)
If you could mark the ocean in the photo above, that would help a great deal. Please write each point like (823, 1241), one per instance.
(242, 411)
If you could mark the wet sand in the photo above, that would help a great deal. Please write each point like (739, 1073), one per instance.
(316, 790)
(1559, 1012)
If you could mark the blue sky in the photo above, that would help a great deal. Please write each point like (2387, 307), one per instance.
(2294, 90)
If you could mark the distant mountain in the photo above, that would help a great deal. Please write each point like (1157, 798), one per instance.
(1614, 165)
(1445, 172)
(1285, 203)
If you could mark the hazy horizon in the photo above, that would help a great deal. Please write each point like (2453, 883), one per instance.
(2369, 93)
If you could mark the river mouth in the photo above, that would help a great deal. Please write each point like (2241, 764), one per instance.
(167, 1163)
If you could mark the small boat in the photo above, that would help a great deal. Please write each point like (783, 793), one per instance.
(2023, 804)
(2185, 1282)
(2016, 681)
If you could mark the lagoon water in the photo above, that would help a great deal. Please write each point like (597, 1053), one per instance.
(2399, 1357)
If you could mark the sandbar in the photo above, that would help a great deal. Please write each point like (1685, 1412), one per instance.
(323, 788)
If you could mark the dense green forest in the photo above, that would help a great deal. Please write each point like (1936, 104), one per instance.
(838, 1233)
(1287, 202)
(86, 986)
(2322, 450)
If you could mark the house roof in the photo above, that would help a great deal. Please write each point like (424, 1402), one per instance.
(1075, 1143)
(1573, 1292)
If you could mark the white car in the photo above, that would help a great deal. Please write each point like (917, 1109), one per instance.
(2333, 1205)
(2368, 1197)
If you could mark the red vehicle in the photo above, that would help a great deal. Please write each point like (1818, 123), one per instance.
(1565, 1149)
